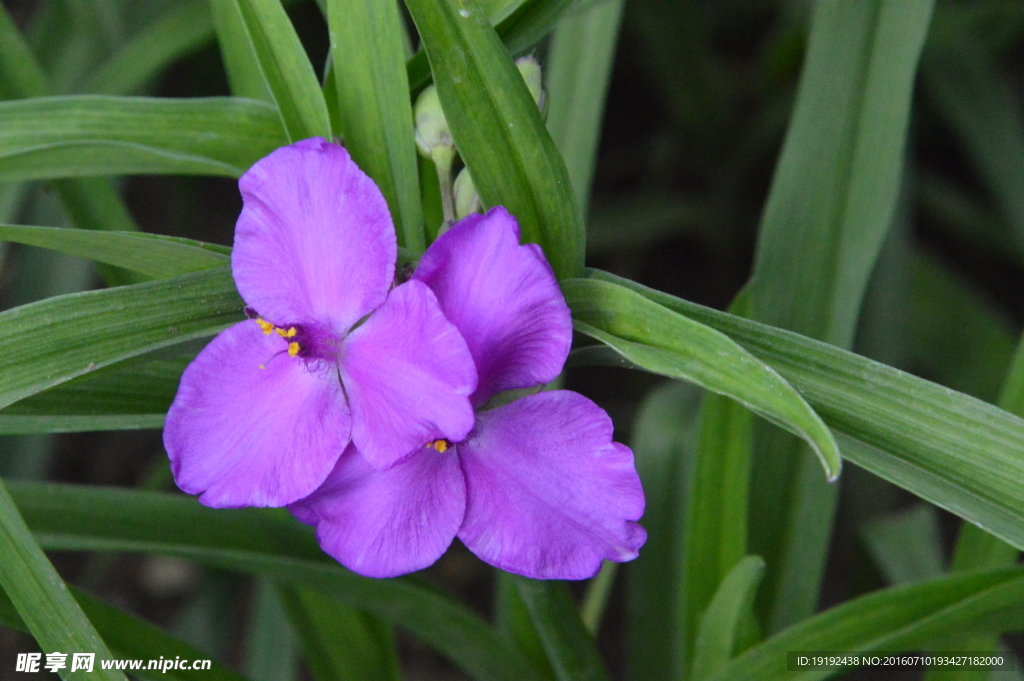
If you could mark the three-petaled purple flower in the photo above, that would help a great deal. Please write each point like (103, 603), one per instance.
(267, 408)
(536, 486)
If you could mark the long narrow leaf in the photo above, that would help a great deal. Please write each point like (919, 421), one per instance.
(499, 131)
(286, 69)
(578, 71)
(256, 541)
(570, 648)
(181, 30)
(891, 620)
(41, 598)
(152, 254)
(948, 448)
(53, 341)
(833, 197)
(652, 337)
(50, 137)
(374, 108)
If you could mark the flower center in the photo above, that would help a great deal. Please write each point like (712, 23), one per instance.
(440, 445)
(293, 346)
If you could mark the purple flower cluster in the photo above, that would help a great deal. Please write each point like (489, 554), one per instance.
(361, 406)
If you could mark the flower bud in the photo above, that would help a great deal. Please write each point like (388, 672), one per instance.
(466, 199)
(432, 132)
(529, 68)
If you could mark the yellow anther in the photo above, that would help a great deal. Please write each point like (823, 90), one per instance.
(293, 349)
(290, 333)
(265, 325)
(439, 445)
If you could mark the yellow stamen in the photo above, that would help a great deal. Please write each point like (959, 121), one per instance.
(293, 349)
(265, 325)
(290, 333)
(440, 445)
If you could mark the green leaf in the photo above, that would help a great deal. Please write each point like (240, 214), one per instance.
(832, 199)
(901, 618)
(180, 30)
(653, 337)
(20, 73)
(569, 647)
(50, 137)
(339, 642)
(519, 24)
(716, 521)
(374, 107)
(42, 599)
(948, 448)
(499, 131)
(578, 70)
(53, 341)
(513, 620)
(720, 623)
(132, 393)
(906, 545)
(717, 498)
(286, 69)
(151, 254)
(664, 444)
(270, 652)
(984, 110)
(262, 542)
(132, 638)
(237, 52)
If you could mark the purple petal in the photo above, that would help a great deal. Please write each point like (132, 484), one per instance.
(383, 524)
(408, 377)
(549, 495)
(503, 298)
(245, 436)
(315, 241)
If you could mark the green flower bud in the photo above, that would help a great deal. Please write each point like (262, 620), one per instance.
(529, 68)
(467, 201)
(432, 132)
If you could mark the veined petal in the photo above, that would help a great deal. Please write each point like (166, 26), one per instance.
(503, 298)
(549, 495)
(315, 241)
(387, 523)
(408, 376)
(245, 436)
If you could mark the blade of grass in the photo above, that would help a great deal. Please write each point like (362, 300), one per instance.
(52, 341)
(270, 646)
(52, 137)
(846, 139)
(339, 642)
(41, 597)
(179, 31)
(664, 443)
(671, 344)
(578, 70)
(237, 52)
(374, 107)
(720, 623)
(152, 254)
(901, 618)
(264, 543)
(499, 131)
(570, 648)
(286, 69)
(948, 448)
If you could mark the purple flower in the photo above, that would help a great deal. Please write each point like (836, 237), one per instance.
(267, 408)
(538, 487)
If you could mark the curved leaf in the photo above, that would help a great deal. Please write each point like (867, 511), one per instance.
(51, 137)
(659, 340)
